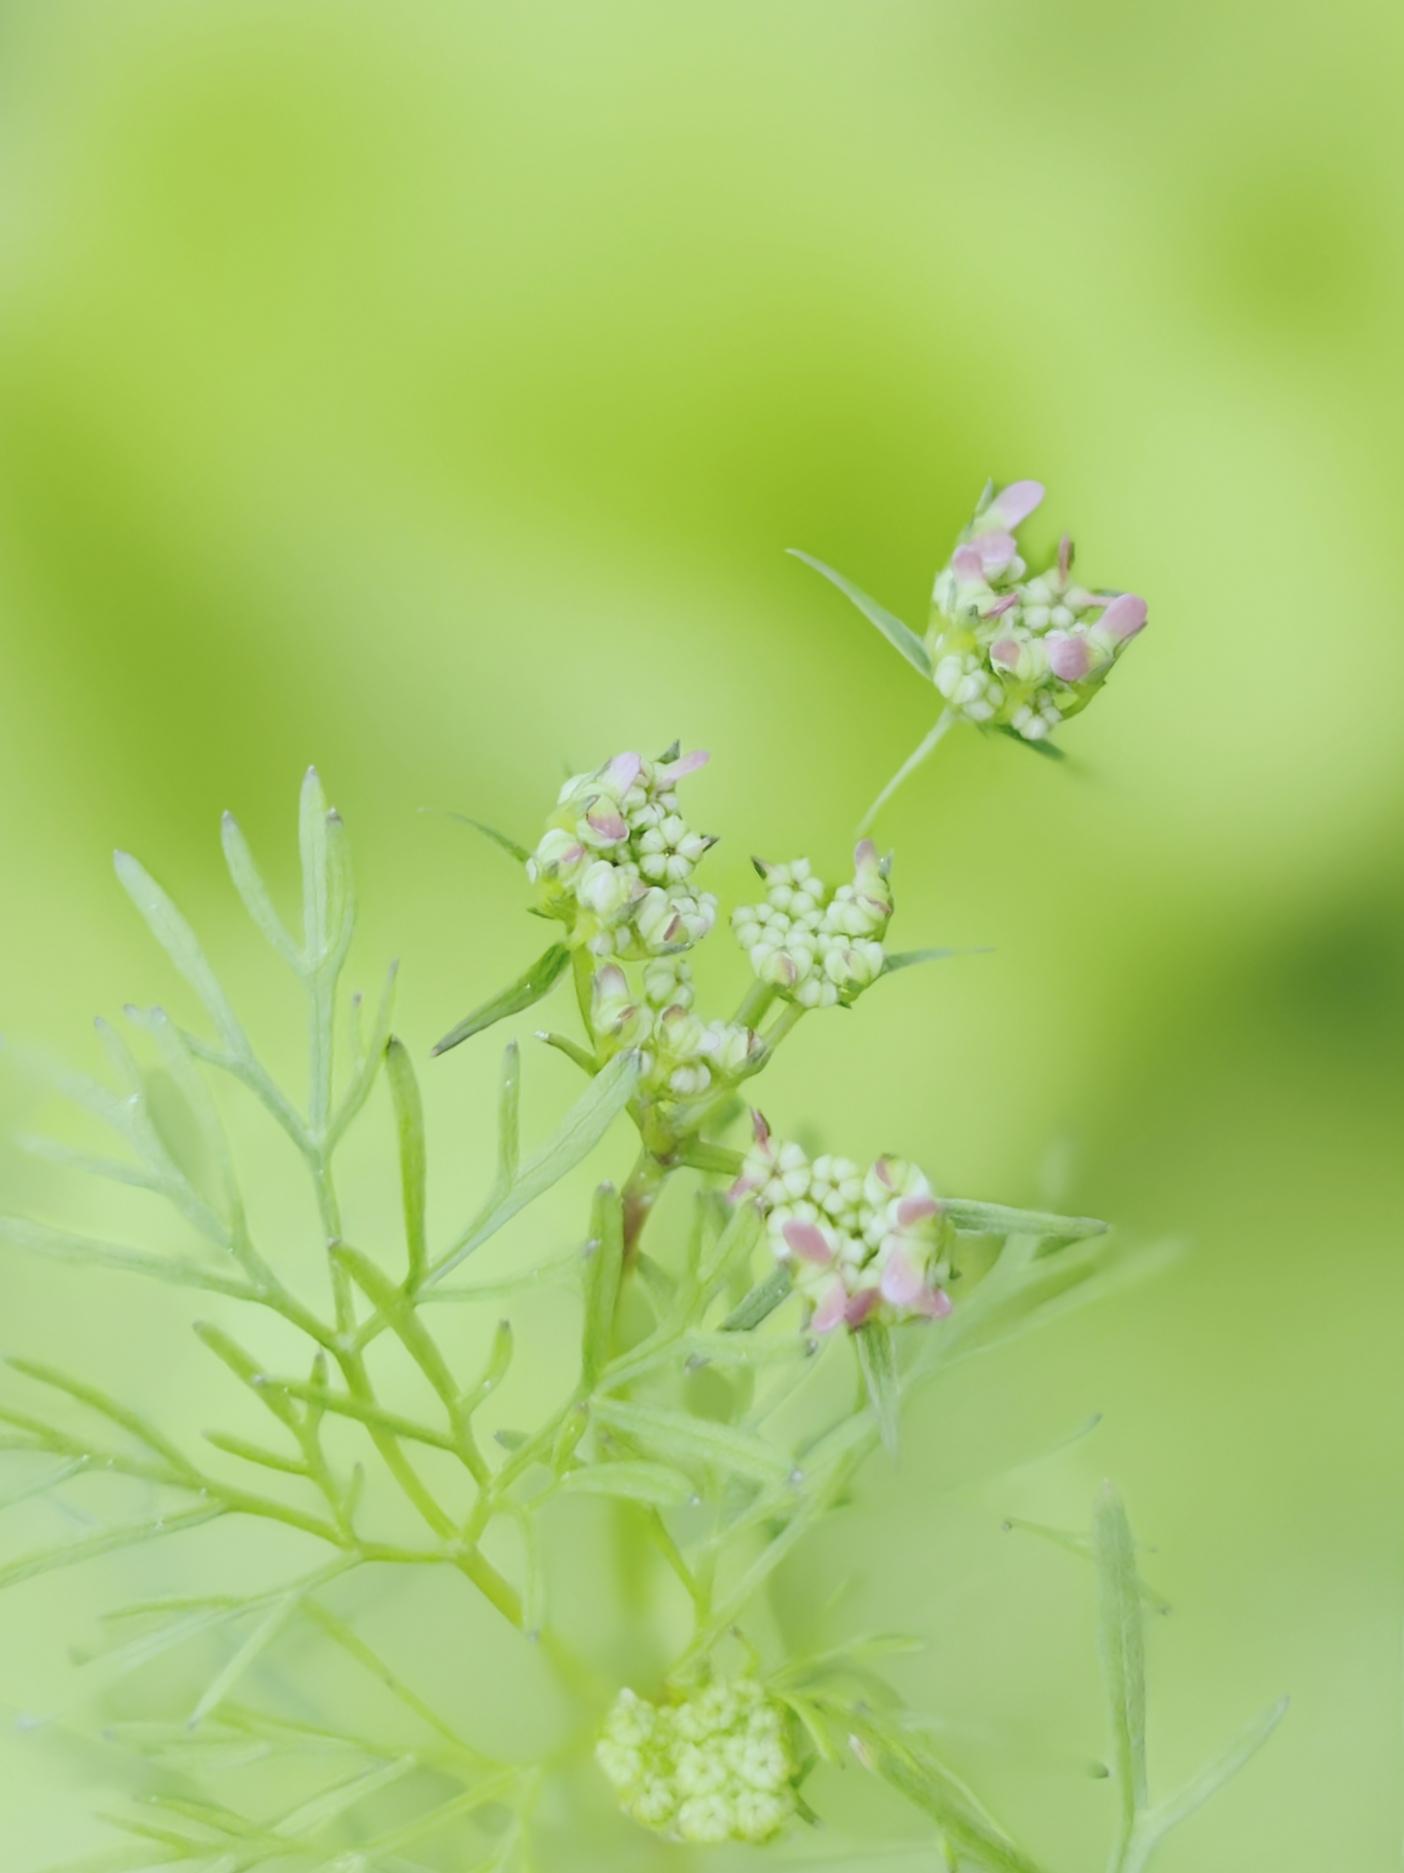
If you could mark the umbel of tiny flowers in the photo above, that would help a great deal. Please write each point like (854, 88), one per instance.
(1005, 647)
(715, 1766)
(680, 1055)
(616, 860)
(863, 1246)
(814, 945)
(1018, 650)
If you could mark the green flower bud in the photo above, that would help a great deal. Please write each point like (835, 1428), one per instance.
(717, 1765)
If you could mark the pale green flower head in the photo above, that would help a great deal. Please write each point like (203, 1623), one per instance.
(715, 1766)
(1014, 650)
(818, 946)
(616, 860)
(861, 1247)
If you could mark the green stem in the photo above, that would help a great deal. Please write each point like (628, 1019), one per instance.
(641, 1191)
(583, 974)
(945, 722)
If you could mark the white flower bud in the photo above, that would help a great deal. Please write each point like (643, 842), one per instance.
(605, 888)
(716, 1766)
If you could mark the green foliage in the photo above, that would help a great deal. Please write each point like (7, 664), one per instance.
(723, 1484)
(523, 993)
(1141, 1825)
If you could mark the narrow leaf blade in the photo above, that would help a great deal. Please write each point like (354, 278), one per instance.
(1222, 1769)
(655, 1483)
(585, 1124)
(696, 1440)
(901, 636)
(409, 1119)
(603, 1272)
(1122, 1644)
(176, 937)
(999, 1219)
(509, 845)
(527, 990)
(248, 882)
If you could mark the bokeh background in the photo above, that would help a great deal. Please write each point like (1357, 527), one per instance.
(432, 392)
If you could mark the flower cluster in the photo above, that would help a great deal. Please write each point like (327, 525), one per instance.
(1018, 651)
(681, 1055)
(616, 860)
(715, 1767)
(863, 1245)
(815, 945)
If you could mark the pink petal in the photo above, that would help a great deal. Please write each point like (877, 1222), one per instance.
(901, 1280)
(935, 1303)
(1123, 617)
(741, 1188)
(996, 550)
(623, 771)
(808, 1241)
(914, 1210)
(686, 764)
(831, 1310)
(882, 1170)
(1069, 657)
(1016, 502)
(1004, 604)
(1006, 652)
(862, 1304)
(608, 825)
(967, 564)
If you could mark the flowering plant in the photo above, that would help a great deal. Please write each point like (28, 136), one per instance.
(1005, 649)
(794, 1272)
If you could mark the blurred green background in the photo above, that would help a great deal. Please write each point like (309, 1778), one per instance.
(431, 392)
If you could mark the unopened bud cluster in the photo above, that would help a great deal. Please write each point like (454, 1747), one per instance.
(681, 1055)
(863, 1245)
(616, 861)
(818, 946)
(715, 1767)
(1014, 650)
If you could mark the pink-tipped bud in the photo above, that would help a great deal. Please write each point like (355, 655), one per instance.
(685, 764)
(831, 1310)
(862, 1304)
(914, 1210)
(611, 827)
(623, 771)
(1123, 617)
(741, 1188)
(1005, 652)
(1013, 505)
(1069, 657)
(760, 1128)
(901, 1280)
(996, 551)
(935, 1303)
(998, 609)
(967, 565)
(808, 1242)
(1065, 557)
